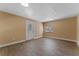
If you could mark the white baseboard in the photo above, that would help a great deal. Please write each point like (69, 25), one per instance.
(77, 43)
(4, 45)
(61, 38)
(38, 37)
(8, 44)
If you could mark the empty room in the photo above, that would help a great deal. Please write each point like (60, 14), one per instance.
(39, 29)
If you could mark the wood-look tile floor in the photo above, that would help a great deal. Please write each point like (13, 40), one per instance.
(41, 47)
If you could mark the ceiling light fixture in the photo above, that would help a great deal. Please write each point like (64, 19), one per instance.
(25, 4)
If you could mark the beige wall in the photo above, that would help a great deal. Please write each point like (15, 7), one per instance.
(14, 28)
(63, 28)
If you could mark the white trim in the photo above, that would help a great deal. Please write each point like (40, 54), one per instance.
(38, 37)
(77, 31)
(4, 45)
(61, 38)
(8, 44)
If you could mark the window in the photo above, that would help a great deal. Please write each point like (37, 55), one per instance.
(30, 27)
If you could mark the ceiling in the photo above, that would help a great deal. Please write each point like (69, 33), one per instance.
(42, 11)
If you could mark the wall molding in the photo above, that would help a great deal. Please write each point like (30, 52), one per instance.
(77, 31)
(61, 38)
(37, 37)
(8, 44)
(12, 43)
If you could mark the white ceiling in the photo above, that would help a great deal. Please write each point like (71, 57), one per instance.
(42, 11)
